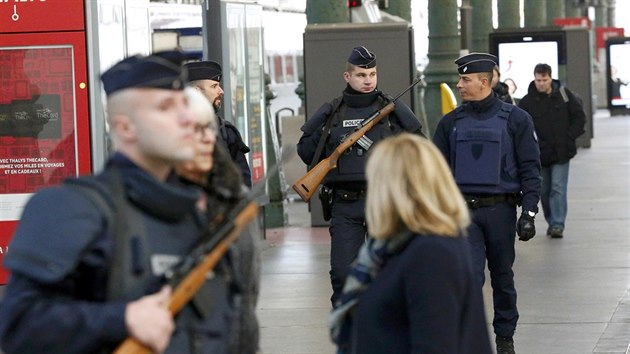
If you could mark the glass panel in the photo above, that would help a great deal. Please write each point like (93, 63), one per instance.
(277, 66)
(255, 91)
(290, 73)
(235, 110)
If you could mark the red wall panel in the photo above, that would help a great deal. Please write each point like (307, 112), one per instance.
(21, 16)
(44, 118)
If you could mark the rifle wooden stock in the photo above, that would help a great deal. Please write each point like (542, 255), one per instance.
(190, 284)
(306, 186)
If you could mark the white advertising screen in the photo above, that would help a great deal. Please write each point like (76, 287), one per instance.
(517, 62)
(619, 74)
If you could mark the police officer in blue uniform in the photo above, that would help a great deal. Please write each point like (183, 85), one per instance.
(493, 153)
(345, 185)
(206, 77)
(88, 258)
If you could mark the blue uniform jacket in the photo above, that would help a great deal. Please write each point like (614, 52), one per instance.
(520, 127)
(232, 141)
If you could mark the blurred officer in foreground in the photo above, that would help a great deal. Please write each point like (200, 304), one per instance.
(236, 280)
(412, 288)
(88, 257)
(559, 119)
(493, 153)
(343, 198)
(206, 76)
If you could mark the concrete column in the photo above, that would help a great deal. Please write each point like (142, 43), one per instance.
(535, 13)
(482, 24)
(572, 10)
(555, 9)
(326, 11)
(601, 13)
(611, 13)
(509, 13)
(443, 50)
(465, 26)
(274, 215)
(400, 8)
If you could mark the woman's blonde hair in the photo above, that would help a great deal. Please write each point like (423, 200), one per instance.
(411, 186)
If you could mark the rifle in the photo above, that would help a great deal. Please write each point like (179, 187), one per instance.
(194, 278)
(189, 275)
(307, 184)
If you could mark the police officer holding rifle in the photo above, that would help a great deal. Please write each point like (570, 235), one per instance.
(343, 192)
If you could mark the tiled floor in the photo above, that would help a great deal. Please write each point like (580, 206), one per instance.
(573, 292)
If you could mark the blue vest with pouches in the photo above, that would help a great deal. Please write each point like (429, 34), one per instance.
(483, 159)
(351, 164)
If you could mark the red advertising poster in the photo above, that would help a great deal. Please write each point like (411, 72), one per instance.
(37, 113)
(44, 134)
(258, 169)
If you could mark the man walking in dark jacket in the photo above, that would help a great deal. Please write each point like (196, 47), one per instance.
(559, 119)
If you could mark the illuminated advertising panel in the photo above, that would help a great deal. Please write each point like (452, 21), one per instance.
(37, 115)
(517, 64)
(618, 52)
(519, 53)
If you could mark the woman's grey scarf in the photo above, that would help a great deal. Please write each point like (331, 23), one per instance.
(372, 257)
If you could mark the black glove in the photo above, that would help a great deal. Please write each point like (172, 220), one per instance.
(525, 227)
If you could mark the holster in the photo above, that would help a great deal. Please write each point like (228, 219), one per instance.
(326, 197)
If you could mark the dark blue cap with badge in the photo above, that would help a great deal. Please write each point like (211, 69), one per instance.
(476, 63)
(159, 70)
(204, 70)
(362, 58)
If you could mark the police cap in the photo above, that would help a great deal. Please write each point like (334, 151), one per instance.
(204, 70)
(476, 63)
(362, 58)
(159, 70)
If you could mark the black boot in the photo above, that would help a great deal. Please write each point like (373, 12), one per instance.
(505, 345)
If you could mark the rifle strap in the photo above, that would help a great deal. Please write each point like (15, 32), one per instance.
(336, 103)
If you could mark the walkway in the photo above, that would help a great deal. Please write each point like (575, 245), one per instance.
(573, 292)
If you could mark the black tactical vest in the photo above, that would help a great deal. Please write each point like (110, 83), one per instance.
(351, 164)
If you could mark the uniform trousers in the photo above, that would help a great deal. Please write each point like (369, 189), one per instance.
(491, 236)
(348, 233)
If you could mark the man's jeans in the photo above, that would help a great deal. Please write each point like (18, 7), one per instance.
(554, 193)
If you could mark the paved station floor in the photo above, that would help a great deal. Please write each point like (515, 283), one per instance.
(573, 293)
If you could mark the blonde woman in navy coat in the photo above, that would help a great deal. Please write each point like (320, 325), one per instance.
(412, 287)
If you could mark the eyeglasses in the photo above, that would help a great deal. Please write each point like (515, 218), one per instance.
(202, 129)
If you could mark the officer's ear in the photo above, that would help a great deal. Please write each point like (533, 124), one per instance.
(346, 76)
(123, 127)
(484, 78)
